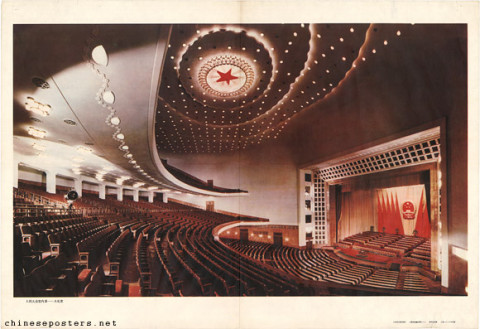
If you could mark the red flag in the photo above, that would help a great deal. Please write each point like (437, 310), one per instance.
(423, 223)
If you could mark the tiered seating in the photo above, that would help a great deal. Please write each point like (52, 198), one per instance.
(207, 276)
(255, 250)
(383, 240)
(405, 244)
(171, 284)
(66, 255)
(362, 238)
(90, 247)
(382, 279)
(323, 265)
(55, 278)
(142, 264)
(232, 283)
(421, 254)
(100, 284)
(189, 282)
(117, 251)
(350, 275)
(413, 281)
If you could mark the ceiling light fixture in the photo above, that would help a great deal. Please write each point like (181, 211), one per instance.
(120, 136)
(35, 132)
(99, 55)
(109, 97)
(36, 107)
(115, 121)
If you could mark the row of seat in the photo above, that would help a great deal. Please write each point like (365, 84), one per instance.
(322, 265)
(383, 279)
(405, 244)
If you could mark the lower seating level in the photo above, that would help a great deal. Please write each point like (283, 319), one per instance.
(173, 253)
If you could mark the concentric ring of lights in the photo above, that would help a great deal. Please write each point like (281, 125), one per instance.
(197, 51)
(231, 60)
(277, 116)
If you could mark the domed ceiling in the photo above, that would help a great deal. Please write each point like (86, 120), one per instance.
(226, 87)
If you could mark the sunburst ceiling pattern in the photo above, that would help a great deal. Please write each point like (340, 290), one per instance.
(226, 87)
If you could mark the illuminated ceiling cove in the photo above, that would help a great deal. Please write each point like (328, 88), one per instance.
(117, 100)
(226, 87)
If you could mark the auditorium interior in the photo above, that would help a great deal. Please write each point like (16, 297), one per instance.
(307, 159)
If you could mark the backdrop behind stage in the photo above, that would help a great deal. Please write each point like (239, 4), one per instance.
(403, 208)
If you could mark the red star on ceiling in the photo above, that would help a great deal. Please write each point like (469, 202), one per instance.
(226, 76)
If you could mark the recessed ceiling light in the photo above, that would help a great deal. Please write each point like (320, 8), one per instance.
(120, 136)
(124, 147)
(99, 55)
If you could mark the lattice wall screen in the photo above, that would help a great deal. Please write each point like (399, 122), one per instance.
(320, 210)
(404, 156)
(416, 153)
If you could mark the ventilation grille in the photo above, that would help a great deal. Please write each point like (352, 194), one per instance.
(70, 122)
(35, 119)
